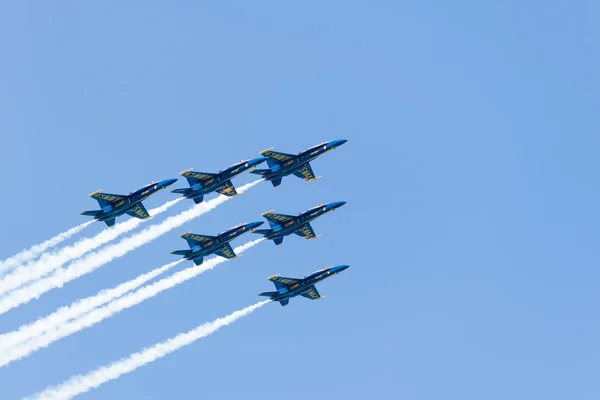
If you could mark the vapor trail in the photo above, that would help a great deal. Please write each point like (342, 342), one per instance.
(78, 308)
(34, 251)
(95, 260)
(51, 261)
(19, 351)
(83, 383)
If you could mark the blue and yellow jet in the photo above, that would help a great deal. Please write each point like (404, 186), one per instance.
(283, 225)
(283, 164)
(203, 183)
(305, 287)
(204, 245)
(115, 205)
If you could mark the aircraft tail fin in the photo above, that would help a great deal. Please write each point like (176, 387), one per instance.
(276, 182)
(198, 199)
(278, 241)
(199, 260)
(181, 191)
(284, 302)
(180, 252)
(109, 222)
(272, 162)
(92, 213)
(260, 171)
(267, 294)
(262, 231)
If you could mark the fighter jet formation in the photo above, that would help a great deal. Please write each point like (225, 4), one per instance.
(43, 267)
(281, 225)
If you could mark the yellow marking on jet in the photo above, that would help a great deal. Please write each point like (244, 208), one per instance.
(265, 150)
(272, 276)
(96, 192)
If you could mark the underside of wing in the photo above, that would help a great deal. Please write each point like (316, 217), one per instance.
(197, 177)
(227, 189)
(277, 219)
(107, 199)
(281, 281)
(194, 239)
(226, 251)
(139, 211)
(275, 155)
(306, 231)
(312, 293)
(306, 173)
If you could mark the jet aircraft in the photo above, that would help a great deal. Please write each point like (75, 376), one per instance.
(115, 205)
(305, 287)
(204, 245)
(283, 225)
(283, 164)
(203, 183)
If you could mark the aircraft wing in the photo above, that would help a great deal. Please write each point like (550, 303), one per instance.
(277, 219)
(227, 189)
(306, 232)
(196, 177)
(107, 199)
(226, 251)
(274, 155)
(139, 211)
(194, 239)
(312, 293)
(306, 173)
(281, 281)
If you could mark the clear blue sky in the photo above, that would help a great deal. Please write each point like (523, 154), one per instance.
(471, 176)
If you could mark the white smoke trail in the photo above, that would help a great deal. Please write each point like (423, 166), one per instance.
(51, 261)
(19, 351)
(83, 383)
(95, 260)
(34, 251)
(78, 308)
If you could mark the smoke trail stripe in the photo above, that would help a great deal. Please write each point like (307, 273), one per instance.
(36, 250)
(83, 383)
(99, 314)
(95, 260)
(78, 308)
(52, 261)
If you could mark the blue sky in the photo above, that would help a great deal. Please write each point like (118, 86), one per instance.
(471, 176)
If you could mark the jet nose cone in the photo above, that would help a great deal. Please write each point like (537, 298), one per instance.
(335, 204)
(254, 225)
(255, 161)
(339, 268)
(336, 143)
(167, 182)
